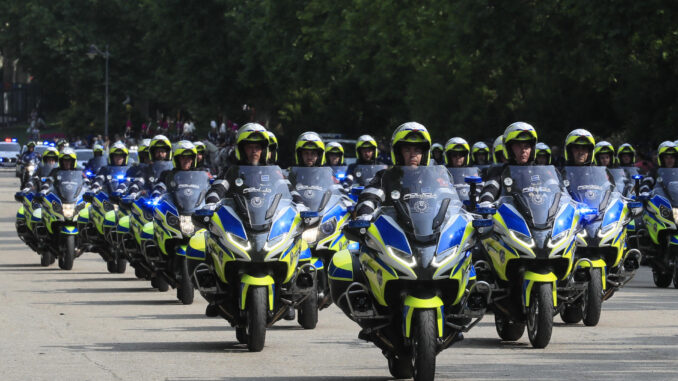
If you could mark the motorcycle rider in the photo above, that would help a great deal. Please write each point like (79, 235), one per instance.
(579, 146)
(367, 152)
(457, 152)
(411, 146)
(437, 151)
(201, 159)
(667, 155)
(30, 153)
(309, 150)
(48, 161)
(603, 154)
(334, 154)
(61, 144)
(184, 157)
(499, 155)
(626, 155)
(251, 148)
(68, 161)
(480, 153)
(160, 150)
(543, 154)
(118, 155)
(95, 163)
(519, 140)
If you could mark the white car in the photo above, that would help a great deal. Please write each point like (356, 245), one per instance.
(83, 154)
(9, 152)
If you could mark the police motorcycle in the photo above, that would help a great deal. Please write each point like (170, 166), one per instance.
(328, 210)
(408, 285)
(173, 227)
(104, 212)
(659, 239)
(29, 168)
(61, 206)
(29, 225)
(362, 175)
(603, 263)
(246, 260)
(530, 250)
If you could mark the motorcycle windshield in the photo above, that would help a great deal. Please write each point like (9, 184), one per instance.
(427, 197)
(159, 167)
(589, 185)
(117, 176)
(535, 189)
(258, 191)
(620, 179)
(458, 176)
(188, 190)
(315, 185)
(44, 170)
(669, 181)
(69, 185)
(363, 173)
(340, 171)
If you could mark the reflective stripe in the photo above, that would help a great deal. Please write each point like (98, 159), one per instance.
(492, 183)
(366, 203)
(375, 191)
(489, 195)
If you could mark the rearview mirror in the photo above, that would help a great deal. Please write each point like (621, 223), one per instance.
(635, 207)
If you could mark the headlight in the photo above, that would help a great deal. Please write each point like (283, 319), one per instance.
(30, 168)
(173, 220)
(328, 227)
(665, 212)
(402, 257)
(522, 237)
(56, 206)
(675, 214)
(557, 240)
(443, 257)
(186, 224)
(310, 235)
(68, 210)
(243, 244)
(609, 227)
(108, 206)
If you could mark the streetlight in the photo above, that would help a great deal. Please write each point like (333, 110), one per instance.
(93, 52)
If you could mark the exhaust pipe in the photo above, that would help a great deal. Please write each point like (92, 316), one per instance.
(204, 280)
(479, 296)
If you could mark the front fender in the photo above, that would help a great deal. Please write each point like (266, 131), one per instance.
(247, 280)
(196, 246)
(69, 230)
(598, 264)
(530, 278)
(412, 302)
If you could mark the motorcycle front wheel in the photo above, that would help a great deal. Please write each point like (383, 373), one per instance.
(185, 292)
(424, 345)
(67, 257)
(594, 299)
(257, 308)
(540, 315)
(308, 311)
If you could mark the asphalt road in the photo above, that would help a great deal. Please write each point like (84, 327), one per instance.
(87, 324)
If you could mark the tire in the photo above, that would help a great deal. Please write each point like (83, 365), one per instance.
(572, 313)
(424, 345)
(257, 309)
(594, 299)
(111, 267)
(161, 284)
(661, 280)
(120, 265)
(508, 331)
(540, 315)
(675, 273)
(308, 312)
(400, 367)
(140, 273)
(185, 291)
(46, 258)
(241, 335)
(67, 258)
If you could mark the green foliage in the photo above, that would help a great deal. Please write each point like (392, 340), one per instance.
(467, 67)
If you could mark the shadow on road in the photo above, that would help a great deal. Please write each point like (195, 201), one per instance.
(166, 317)
(160, 346)
(287, 378)
(104, 290)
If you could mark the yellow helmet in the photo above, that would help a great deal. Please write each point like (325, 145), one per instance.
(603, 147)
(366, 141)
(580, 137)
(311, 141)
(336, 148)
(543, 149)
(273, 146)
(457, 144)
(118, 148)
(160, 141)
(479, 148)
(98, 148)
(50, 152)
(498, 147)
(251, 133)
(626, 148)
(67, 153)
(184, 148)
(666, 148)
(519, 132)
(411, 133)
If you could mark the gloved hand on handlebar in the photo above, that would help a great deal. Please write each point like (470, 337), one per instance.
(485, 204)
(364, 217)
